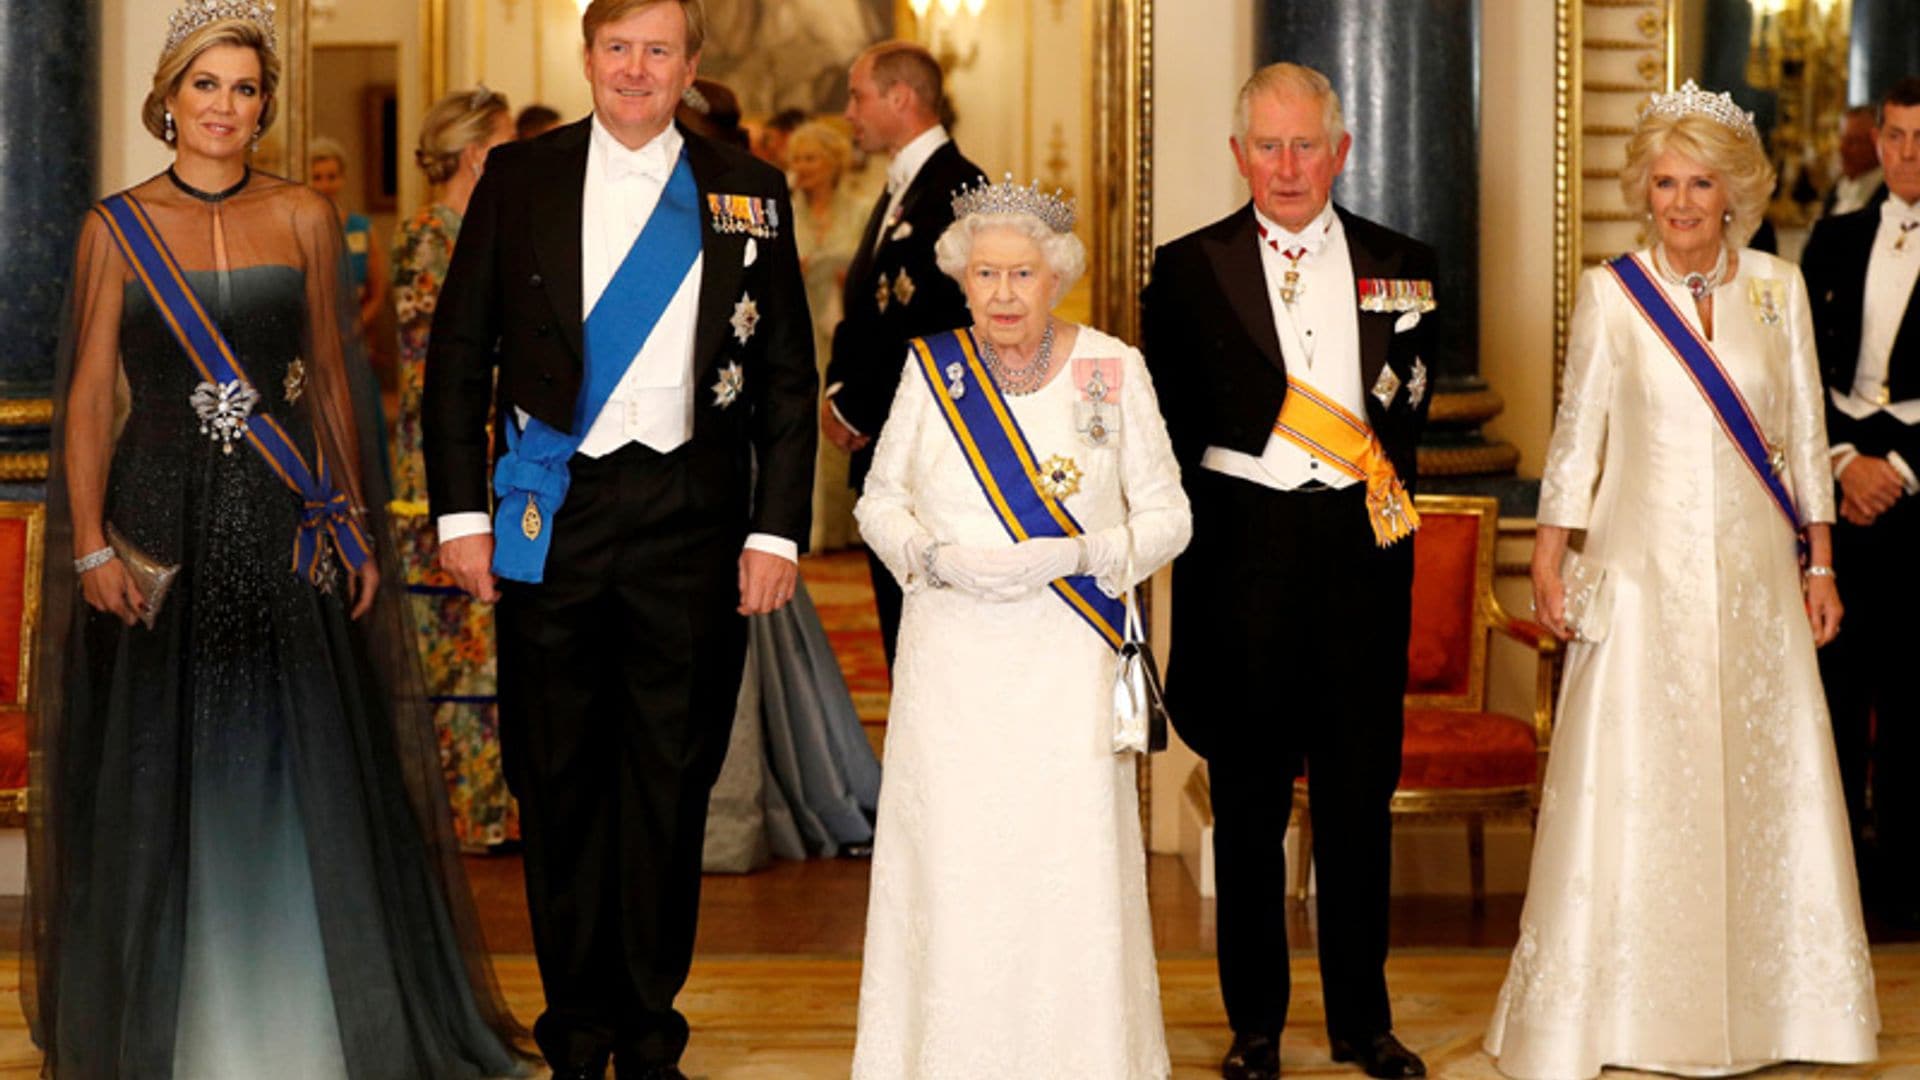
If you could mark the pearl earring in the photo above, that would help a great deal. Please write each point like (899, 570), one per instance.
(257, 133)
(1726, 217)
(169, 136)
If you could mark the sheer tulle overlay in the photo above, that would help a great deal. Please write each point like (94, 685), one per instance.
(1692, 906)
(240, 858)
(1007, 927)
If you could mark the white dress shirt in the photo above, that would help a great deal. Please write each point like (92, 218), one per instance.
(1319, 339)
(1852, 193)
(1891, 275)
(653, 402)
(901, 172)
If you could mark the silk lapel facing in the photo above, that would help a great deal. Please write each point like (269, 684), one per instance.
(1376, 327)
(556, 229)
(722, 267)
(1235, 257)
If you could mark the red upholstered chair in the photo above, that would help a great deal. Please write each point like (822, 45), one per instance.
(1458, 760)
(22, 536)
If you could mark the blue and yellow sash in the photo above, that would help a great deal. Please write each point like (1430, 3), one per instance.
(531, 480)
(1723, 398)
(1003, 463)
(325, 510)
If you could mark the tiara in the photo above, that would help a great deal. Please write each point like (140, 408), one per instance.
(1007, 197)
(1690, 100)
(200, 13)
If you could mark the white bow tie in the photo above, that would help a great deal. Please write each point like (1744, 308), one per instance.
(1895, 211)
(628, 165)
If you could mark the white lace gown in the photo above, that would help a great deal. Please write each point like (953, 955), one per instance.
(1007, 926)
(1692, 906)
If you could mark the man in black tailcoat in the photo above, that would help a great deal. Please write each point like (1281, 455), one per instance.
(1289, 325)
(624, 253)
(894, 291)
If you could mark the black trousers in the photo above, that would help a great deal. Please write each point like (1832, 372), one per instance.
(618, 678)
(1875, 700)
(1289, 653)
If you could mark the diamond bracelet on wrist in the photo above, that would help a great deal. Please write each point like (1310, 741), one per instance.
(926, 564)
(1817, 571)
(93, 560)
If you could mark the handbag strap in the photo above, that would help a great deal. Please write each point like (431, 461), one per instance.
(1133, 633)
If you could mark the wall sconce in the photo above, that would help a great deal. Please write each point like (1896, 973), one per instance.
(937, 22)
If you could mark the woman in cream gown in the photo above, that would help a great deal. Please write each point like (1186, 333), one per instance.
(1007, 927)
(1692, 906)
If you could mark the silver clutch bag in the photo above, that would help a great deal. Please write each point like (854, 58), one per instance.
(1139, 705)
(152, 577)
(1588, 599)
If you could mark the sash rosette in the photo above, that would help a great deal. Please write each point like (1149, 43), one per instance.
(326, 514)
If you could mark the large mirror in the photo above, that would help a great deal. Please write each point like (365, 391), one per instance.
(1796, 64)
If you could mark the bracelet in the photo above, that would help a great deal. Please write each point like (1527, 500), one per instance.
(93, 560)
(926, 564)
(1818, 571)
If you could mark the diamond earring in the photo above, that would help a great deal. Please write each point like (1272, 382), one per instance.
(169, 136)
(257, 132)
(1726, 217)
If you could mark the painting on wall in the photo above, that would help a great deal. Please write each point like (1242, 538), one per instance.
(782, 54)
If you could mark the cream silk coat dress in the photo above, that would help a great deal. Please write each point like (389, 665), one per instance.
(1007, 926)
(1692, 906)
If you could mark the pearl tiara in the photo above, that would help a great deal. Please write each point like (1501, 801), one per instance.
(196, 14)
(1007, 197)
(1690, 100)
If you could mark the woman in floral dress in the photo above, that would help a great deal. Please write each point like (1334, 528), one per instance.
(455, 631)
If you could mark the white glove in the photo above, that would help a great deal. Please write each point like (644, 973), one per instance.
(993, 573)
(1047, 558)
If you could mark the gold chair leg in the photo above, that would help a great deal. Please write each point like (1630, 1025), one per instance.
(1477, 861)
(1303, 864)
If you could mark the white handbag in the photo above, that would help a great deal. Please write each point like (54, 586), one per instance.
(1139, 706)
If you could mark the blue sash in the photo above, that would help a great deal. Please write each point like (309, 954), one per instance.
(325, 511)
(1723, 398)
(531, 480)
(1005, 467)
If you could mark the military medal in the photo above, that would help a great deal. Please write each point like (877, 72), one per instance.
(883, 294)
(1417, 386)
(746, 317)
(1058, 477)
(1384, 387)
(530, 520)
(1760, 293)
(1094, 416)
(1395, 294)
(295, 383)
(1905, 228)
(903, 287)
(727, 389)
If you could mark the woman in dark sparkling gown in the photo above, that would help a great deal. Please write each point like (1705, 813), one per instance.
(240, 861)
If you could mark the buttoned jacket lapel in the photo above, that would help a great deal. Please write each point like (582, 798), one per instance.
(557, 222)
(1376, 327)
(1235, 258)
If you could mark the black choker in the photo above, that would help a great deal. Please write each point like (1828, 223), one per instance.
(210, 196)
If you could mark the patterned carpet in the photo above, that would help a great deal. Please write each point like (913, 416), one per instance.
(842, 592)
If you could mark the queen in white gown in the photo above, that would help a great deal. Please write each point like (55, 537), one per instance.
(1007, 929)
(1692, 906)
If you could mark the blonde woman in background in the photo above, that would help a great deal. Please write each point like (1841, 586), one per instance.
(455, 631)
(1692, 906)
(827, 232)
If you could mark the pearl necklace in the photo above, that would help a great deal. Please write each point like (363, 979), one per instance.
(1695, 283)
(1025, 380)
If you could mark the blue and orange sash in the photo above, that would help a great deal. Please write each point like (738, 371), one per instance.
(1722, 396)
(530, 481)
(325, 510)
(1004, 465)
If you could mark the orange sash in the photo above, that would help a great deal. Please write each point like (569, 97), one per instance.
(1322, 428)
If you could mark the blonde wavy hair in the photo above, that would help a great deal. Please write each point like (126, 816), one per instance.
(826, 138)
(456, 122)
(1737, 159)
(176, 62)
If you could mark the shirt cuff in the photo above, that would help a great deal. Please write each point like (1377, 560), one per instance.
(1907, 479)
(472, 523)
(1842, 456)
(842, 417)
(832, 389)
(774, 545)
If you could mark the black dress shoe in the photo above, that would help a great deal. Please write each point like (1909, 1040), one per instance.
(1382, 1056)
(1253, 1057)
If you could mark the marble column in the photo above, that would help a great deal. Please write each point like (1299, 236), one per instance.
(47, 136)
(1408, 75)
(1886, 48)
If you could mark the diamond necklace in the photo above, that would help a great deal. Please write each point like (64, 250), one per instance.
(1026, 380)
(1696, 283)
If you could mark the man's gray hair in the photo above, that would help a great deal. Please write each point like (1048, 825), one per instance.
(1065, 255)
(1291, 80)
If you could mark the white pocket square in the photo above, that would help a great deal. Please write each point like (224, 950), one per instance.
(1407, 321)
(905, 230)
(753, 252)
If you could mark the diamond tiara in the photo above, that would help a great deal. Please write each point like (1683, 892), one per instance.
(1007, 197)
(1690, 100)
(199, 13)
